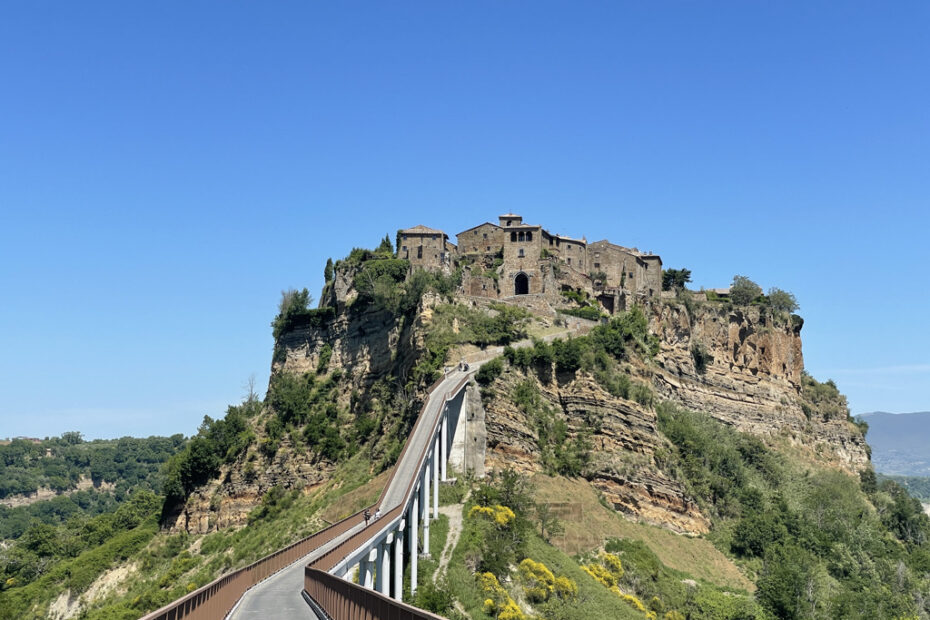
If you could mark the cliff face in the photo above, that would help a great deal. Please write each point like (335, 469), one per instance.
(751, 379)
(624, 445)
(364, 345)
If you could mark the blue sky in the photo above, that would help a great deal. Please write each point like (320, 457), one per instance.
(166, 170)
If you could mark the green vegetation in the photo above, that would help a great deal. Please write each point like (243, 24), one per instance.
(586, 309)
(590, 313)
(781, 301)
(822, 544)
(47, 558)
(490, 371)
(701, 357)
(823, 401)
(675, 279)
(918, 486)
(744, 291)
(58, 463)
(559, 453)
(217, 442)
(600, 353)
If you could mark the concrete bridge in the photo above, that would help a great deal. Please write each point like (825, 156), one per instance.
(375, 552)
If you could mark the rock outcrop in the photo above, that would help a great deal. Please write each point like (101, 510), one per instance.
(624, 441)
(750, 379)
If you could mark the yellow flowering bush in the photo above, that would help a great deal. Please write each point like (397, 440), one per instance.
(499, 603)
(565, 588)
(511, 611)
(601, 574)
(501, 516)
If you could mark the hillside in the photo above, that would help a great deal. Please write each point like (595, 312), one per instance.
(900, 442)
(674, 446)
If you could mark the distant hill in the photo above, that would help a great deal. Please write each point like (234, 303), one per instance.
(900, 442)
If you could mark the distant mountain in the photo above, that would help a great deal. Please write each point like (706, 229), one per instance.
(900, 442)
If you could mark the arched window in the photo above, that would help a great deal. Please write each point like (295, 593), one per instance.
(521, 284)
(521, 237)
(513, 236)
(529, 236)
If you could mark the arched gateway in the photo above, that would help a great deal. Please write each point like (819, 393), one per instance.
(521, 284)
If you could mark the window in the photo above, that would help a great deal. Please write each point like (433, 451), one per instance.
(485, 235)
(420, 251)
(476, 232)
(569, 247)
(488, 248)
(529, 236)
(597, 265)
(405, 237)
(434, 237)
(405, 248)
(521, 236)
(520, 254)
(508, 222)
(513, 236)
(569, 260)
(631, 274)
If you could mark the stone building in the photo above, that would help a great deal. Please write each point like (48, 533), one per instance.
(424, 247)
(484, 238)
(626, 269)
(515, 258)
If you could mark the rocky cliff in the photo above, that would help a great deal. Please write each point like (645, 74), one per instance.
(624, 443)
(750, 378)
(360, 345)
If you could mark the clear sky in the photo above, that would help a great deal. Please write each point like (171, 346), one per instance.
(166, 169)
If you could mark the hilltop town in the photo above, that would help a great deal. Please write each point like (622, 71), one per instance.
(513, 258)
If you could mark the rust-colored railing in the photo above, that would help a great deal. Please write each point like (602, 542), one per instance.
(217, 598)
(344, 600)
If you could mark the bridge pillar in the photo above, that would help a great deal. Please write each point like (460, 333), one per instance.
(436, 480)
(425, 507)
(384, 570)
(412, 537)
(399, 564)
(367, 563)
(444, 443)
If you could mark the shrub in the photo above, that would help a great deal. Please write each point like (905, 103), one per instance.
(782, 301)
(490, 371)
(744, 291)
(701, 357)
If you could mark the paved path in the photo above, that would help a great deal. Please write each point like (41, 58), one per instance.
(279, 596)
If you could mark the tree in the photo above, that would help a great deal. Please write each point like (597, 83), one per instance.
(744, 291)
(386, 247)
(782, 301)
(549, 524)
(674, 279)
(328, 270)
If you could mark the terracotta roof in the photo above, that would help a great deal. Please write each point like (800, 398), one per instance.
(420, 229)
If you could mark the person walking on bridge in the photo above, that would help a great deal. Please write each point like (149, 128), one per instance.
(367, 517)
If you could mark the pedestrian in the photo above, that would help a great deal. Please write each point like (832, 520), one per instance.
(377, 514)
(367, 517)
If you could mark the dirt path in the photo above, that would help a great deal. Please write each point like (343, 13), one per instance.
(454, 513)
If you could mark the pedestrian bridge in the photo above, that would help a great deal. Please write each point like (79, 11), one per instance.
(375, 551)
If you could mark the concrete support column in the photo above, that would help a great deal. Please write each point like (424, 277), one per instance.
(399, 564)
(384, 570)
(425, 508)
(368, 568)
(414, 531)
(444, 443)
(378, 551)
(436, 479)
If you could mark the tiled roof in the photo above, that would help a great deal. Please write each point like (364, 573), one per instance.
(420, 229)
